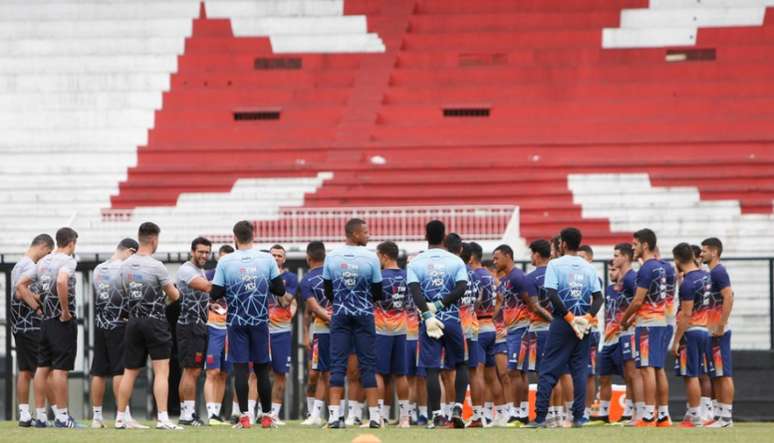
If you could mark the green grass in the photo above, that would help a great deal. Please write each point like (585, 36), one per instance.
(293, 432)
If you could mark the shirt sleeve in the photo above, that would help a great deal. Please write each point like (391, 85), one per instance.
(462, 272)
(162, 274)
(291, 283)
(29, 271)
(644, 277)
(69, 267)
(219, 279)
(273, 269)
(720, 278)
(551, 281)
(411, 275)
(685, 291)
(531, 284)
(305, 289)
(376, 272)
(596, 283)
(187, 274)
(326, 274)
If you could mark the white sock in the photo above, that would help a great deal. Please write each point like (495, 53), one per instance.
(373, 414)
(96, 412)
(568, 407)
(551, 413)
(423, 411)
(128, 414)
(333, 413)
(385, 410)
(251, 406)
(359, 409)
(446, 409)
(120, 416)
(317, 407)
(628, 408)
(559, 412)
(706, 408)
(511, 410)
(404, 408)
(604, 408)
(190, 408)
(489, 410)
(354, 406)
(62, 414)
(663, 412)
(163, 417)
(640, 407)
(587, 412)
(693, 414)
(726, 411)
(524, 409)
(413, 411)
(309, 404)
(650, 411)
(478, 412)
(40, 414)
(275, 409)
(24, 412)
(715, 408)
(235, 409)
(502, 411)
(211, 410)
(183, 413)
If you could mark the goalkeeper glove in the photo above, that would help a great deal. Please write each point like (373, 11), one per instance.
(433, 326)
(576, 324)
(435, 306)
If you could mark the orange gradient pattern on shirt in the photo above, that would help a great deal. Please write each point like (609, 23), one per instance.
(280, 318)
(516, 316)
(390, 322)
(468, 321)
(613, 328)
(652, 311)
(320, 324)
(412, 325)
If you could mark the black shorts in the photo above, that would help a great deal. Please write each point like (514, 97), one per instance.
(146, 336)
(191, 345)
(58, 344)
(109, 352)
(27, 344)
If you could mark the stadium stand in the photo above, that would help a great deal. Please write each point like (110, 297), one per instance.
(608, 115)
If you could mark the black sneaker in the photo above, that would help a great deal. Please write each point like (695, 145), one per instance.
(456, 421)
(194, 421)
(513, 419)
(25, 423)
(40, 424)
(535, 425)
(422, 421)
(373, 424)
(439, 421)
(338, 424)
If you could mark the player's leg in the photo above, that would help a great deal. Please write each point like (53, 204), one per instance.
(723, 382)
(280, 364)
(559, 347)
(647, 372)
(259, 350)
(503, 410)
(422, 406)
(365, 339)
(215, 375)
(64, 347)
(27, 344)
(430, 362)
(455, 346)
(579, 363)
(354, 389)
(340, 349)
(383, 345)
(476, 380)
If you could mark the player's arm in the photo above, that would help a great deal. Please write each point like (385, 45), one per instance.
(277, 286)
(376, 291)
(419, 299)
(534, 306)
(328, 288)
(171, 291)
(200, 284)
(683, 317)
(315, 308)
(634, 306)
(728, 304)
(62, 279)
(24, 294)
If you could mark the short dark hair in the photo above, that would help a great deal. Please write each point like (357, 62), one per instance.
(625, 249)
(200, 241)
(43, 239)
(714, 243)
(243, 231)
(65, 236)
(571, 236)
(435, 231)
(696, 251)
(683, 253)
(352, 225)
(277, 246)
(388, 248)
(505, 249)
(646, 236)
(148, 230)
(453, 243)
(128, 243)
(465, 252)
(316, 251)
(541, 247)
(587, 249)
(225, 249)
(476, 251)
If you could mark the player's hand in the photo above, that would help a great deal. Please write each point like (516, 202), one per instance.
(719, 330)
(435, 306)
(433, 326)
(626, 323)
(576, 327)
(65, 316)
(676, 350)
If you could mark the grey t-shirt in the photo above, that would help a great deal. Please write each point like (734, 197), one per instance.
(109, 306)
(23, 318)
(47, 272)
(193, 304)
(143, 278)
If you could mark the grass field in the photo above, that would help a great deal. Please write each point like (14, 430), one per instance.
(293, 432)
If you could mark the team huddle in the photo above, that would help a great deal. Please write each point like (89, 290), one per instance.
(448, 324)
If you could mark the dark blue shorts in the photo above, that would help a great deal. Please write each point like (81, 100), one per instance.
(412, 354)
(346, 330)
(321, 352)
(249, 344)
(391, 354)
(280, 351)
(514, 347)
(628, 350)
(651, 346)
(668, 337)
(475, 354)
(217, 350)
(486, 343)
(610, 360)
(452, 342)
(720, 356)
(593, 348)
(534, 343)
(693, 353)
